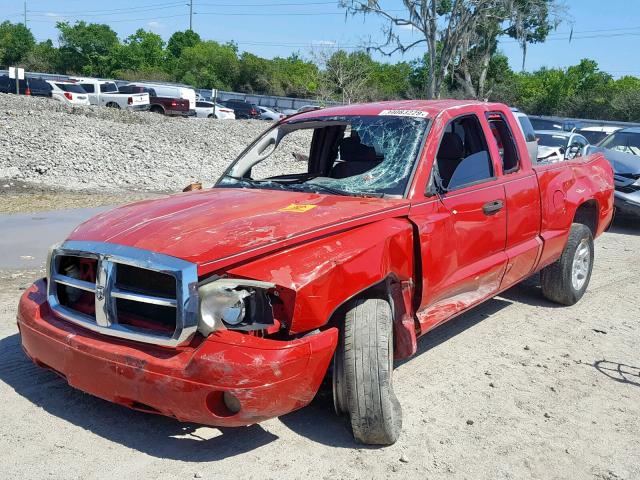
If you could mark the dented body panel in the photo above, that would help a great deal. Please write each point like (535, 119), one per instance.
(433, 256)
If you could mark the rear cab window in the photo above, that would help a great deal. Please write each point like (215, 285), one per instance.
(108, 87)
(527, 128)
(505, 142)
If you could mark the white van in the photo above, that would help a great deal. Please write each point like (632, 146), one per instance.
(168, 90)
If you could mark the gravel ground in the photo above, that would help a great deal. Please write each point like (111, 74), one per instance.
(519, 388)
(45, 142)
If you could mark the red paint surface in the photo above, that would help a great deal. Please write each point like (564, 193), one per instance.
(434, 257)
(269, 377)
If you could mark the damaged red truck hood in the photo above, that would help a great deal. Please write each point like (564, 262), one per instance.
(217, 227)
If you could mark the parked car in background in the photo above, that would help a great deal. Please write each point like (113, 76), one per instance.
(528, 133)
(35, 87)
(106, 94)
(269, 114)
(242, 108)
(163, 105)
(304, 108)
(554, 124)
(68, 92)
(213, 110)
(622, 150)
(174, 92)
(558, 145)
(597, 134)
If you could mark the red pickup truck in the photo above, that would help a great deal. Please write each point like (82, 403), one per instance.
(229, 306)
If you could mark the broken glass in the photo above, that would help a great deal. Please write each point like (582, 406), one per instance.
(366, 155)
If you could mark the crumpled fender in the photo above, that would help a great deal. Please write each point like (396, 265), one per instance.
(319, 276)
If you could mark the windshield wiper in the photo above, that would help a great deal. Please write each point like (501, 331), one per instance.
(314, 187)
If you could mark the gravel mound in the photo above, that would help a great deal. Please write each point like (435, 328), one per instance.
(93, 148)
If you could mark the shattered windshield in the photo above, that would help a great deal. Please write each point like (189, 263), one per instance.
(346, 155)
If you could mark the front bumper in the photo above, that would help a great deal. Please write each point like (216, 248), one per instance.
(627, 204)
(139, 108)
(268, 377)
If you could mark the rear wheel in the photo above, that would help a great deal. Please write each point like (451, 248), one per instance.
(156, 109)
(113, 105)
(362, 373)
(566, 280)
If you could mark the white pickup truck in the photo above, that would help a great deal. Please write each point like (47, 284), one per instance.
(105, 94)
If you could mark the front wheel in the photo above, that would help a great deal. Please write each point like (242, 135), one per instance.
(566, 280)
(363, 370)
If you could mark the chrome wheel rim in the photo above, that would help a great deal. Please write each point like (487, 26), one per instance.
(581, 265)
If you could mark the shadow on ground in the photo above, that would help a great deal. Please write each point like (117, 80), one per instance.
(164, 437)
(619, 372)
(154, 435)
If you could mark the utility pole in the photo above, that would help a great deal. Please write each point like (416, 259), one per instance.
(190, 14)
(25, 13)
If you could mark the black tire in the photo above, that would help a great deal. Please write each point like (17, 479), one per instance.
(557, 279)
(157, 109)
(113, 105)
(362, 373)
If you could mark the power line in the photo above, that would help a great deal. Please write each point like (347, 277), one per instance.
(122, 9)
(128, 19)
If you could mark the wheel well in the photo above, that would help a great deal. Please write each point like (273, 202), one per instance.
(377, 290)
(587, 214)
(390, 290)
(156, 109)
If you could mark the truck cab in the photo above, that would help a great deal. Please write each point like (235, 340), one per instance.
(105, 94)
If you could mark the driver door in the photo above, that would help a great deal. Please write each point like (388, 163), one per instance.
(463, 232)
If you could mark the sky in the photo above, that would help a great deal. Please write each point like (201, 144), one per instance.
(606, 31)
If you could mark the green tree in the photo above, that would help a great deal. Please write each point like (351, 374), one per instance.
(16, 41)
(391, 81)
(181, 40)
(142, 51)
(254, 75)
(86, 47)
(42, 58)
(293, 76)
(209, 65)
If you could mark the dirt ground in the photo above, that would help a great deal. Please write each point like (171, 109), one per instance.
(21, 197)
(518, 388)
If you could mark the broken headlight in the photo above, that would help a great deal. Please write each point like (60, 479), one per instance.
(235, 304)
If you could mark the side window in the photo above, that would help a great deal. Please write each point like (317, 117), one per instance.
(506, 144)
(88, 87)
(463, 157)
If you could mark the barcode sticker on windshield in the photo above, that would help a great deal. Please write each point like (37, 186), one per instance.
(404, 113)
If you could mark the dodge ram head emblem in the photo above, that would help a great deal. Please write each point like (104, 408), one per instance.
(99, 293)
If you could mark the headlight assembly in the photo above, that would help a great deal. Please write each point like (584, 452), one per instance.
(235, 304)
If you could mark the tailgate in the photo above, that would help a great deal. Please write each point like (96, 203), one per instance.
(139, 98)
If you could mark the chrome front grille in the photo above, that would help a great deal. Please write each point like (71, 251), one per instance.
(124, 292)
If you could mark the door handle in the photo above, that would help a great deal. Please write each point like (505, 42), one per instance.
(493, 207)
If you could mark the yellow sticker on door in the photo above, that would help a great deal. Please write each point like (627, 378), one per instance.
(297, 208)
